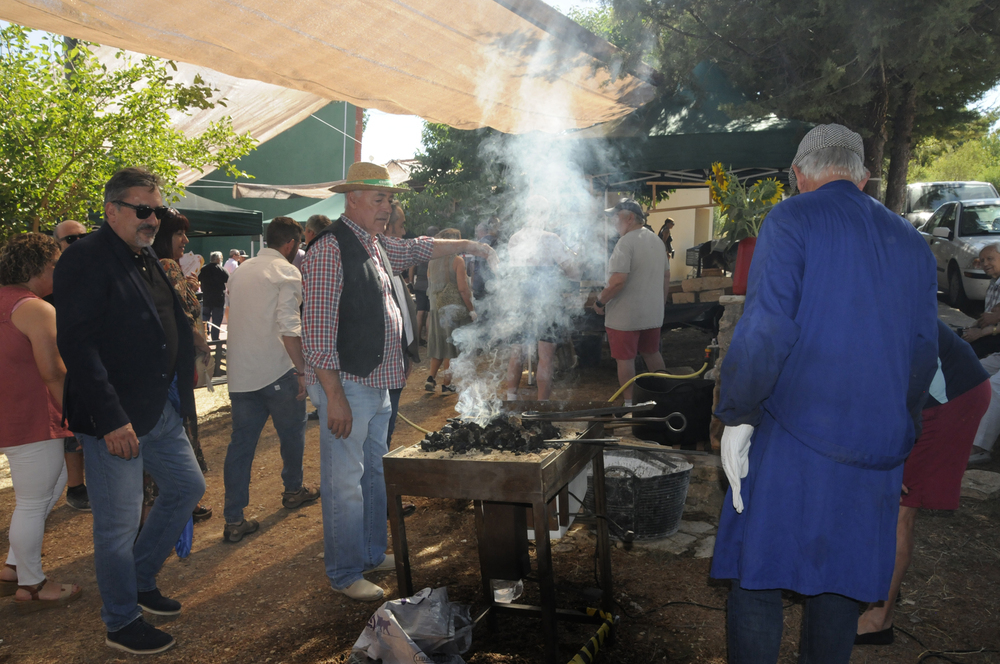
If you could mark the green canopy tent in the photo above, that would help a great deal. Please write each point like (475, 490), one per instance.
(208, 217)
(676, 138)
(332, 207)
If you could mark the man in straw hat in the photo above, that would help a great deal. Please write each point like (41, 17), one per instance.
(354, 344)
(822, 389)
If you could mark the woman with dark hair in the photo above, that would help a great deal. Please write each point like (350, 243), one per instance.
(168, 245)
(31, 431)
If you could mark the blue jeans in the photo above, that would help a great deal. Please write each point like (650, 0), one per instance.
(215, 316)
(250, 411)
(124, 563)
(352, 484)
(754, 623)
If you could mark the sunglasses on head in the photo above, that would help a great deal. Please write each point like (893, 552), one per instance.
(143, 211)
(70, 239)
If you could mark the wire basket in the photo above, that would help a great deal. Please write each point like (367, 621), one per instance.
(645, 492)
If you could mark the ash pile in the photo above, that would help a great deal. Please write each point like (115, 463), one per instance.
(505, 433)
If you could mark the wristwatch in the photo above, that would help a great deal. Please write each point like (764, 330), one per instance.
(599, 304)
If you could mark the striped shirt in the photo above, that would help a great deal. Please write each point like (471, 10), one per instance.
(992, 295)
(323, 284)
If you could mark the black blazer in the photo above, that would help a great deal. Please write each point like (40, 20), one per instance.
(110, 338)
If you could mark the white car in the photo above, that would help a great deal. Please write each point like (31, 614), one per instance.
(956, 233)
(923, 198)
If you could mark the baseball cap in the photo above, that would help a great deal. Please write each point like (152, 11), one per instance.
(627, 204)
(826, 136)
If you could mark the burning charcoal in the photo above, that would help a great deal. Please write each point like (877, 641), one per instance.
(504, 433)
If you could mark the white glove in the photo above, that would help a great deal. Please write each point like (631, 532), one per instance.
(473, 315)
(736, 458)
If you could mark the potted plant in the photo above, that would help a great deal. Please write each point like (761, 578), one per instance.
(743, 209)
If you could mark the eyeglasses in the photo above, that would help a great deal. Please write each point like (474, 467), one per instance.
(143, 211)
(70, 239)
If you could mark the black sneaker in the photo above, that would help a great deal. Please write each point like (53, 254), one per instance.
(447, 389)
(314, 415)
(77, 498)
(140, 638)
(430, 384)
(154, 602)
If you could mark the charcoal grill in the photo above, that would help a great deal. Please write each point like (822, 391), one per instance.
(500, 490)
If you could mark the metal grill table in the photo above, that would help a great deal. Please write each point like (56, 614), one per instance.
(517, 482)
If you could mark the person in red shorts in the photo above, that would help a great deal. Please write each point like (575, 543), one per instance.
(632, 302)
(932, 475)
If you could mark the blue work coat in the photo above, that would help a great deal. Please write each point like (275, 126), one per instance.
(830, 362)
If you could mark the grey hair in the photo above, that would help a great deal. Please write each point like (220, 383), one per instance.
(215, 257)
(317, 222)
(127, 178)
(833, 160)
(995, 246)
(234, 252)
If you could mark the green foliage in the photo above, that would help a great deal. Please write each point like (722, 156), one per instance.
(976, 159)
(457, 185)
(742, 208)
(67, 123)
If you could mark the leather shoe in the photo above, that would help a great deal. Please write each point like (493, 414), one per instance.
(362, 590)
(385, 566)
(884, 637)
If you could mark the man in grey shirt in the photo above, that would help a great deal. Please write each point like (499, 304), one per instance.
(632, 302)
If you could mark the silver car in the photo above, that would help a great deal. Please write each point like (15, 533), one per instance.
(923, 198)
(956, 233)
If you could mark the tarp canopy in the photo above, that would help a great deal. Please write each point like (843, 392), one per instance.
(210, 218)
(515, 65)
(677, 137)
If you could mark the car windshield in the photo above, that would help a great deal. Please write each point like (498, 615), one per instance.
(937, 195)
(980, 220)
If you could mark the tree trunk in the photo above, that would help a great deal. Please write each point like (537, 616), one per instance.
(876, 112)
(900, 150)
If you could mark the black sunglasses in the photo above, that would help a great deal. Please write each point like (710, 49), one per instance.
(70, 239)
(143, 211)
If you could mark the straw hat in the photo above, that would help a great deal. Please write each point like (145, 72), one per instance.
(366, 175)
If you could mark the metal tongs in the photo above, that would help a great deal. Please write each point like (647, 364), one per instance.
(591, 415)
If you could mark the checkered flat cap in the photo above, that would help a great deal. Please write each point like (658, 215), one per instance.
(826, 136)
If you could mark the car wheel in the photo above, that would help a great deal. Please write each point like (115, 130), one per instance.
(956, 290)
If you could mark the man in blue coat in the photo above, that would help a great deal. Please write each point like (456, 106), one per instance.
(822, 389)
(129, 357)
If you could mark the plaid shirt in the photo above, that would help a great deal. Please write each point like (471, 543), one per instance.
(323, 283)
(992, 295)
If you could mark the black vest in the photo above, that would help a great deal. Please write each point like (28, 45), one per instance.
(361, 332)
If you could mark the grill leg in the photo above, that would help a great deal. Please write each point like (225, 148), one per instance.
(404, 579)
(546, 581)
(603, 544)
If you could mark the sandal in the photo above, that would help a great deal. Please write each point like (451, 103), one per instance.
(68, 592)
(8, 588)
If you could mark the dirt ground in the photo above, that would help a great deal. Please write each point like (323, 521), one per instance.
(266, 599)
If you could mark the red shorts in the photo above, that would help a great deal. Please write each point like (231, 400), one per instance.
(933, 471)
(625, 345)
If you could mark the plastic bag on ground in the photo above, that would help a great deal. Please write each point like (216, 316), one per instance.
(423, 628)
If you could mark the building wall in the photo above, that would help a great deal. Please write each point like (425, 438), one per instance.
(308, 152)
(693, 225)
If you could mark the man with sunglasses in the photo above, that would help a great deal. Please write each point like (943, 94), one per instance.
(129, 358)
(68, 232)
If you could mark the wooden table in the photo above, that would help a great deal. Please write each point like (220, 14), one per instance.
(518, 482)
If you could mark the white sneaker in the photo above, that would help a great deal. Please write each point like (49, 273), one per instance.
(362, 590)
(386, 565)
(979, 455)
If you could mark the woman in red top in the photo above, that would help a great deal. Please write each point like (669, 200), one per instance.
(31, 431)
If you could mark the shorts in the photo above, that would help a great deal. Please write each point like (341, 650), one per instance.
(626, 344)
(933, 471)
(72, 446)
(423, 302)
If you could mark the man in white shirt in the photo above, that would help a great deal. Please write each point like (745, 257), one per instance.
(266, 372)
(233, 262)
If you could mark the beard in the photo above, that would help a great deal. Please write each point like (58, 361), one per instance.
(145, 234)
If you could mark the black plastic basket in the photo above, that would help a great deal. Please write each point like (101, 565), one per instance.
(645, 492)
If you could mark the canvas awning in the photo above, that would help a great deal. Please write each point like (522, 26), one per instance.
(515, 65)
